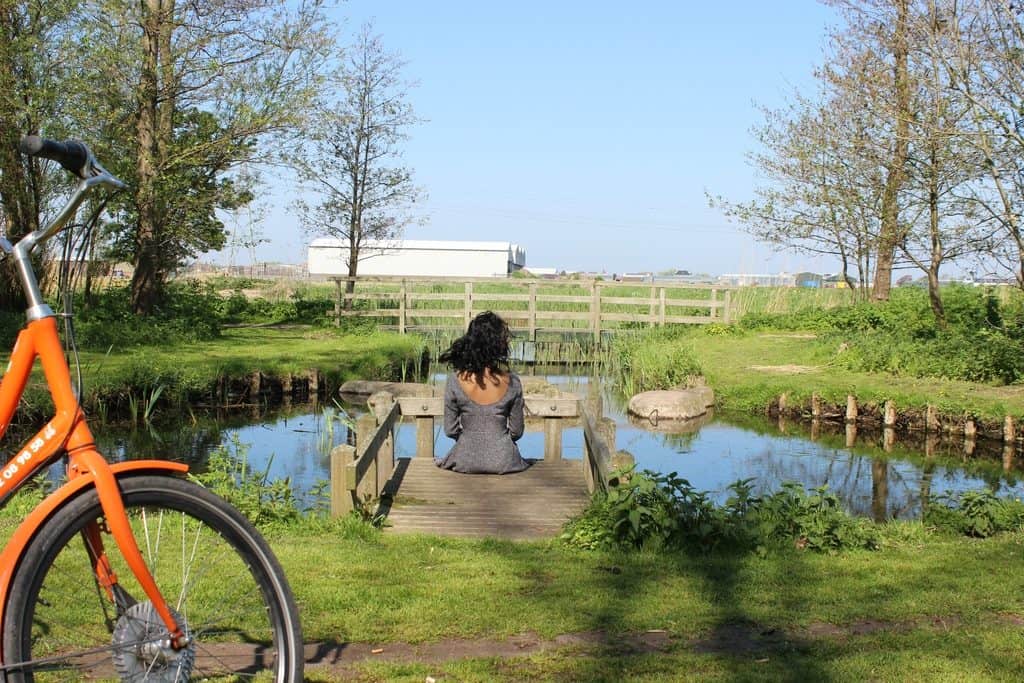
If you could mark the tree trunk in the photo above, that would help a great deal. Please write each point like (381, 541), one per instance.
(147, 280)
(934, 295)
(889, 236)
(20, 210)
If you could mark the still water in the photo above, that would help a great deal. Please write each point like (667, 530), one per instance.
(869, 479)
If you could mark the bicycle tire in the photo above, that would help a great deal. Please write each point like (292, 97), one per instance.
(226, 585)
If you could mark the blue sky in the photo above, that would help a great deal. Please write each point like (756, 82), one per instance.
(588, 132)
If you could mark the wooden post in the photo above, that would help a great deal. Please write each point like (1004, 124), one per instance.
(467, 310)
(727, 311)
(424, 436)
(384, 464)
(255, 384)
(851, 409)
(889, 415)
(366, 425)
(552, 439)
(286, 386)
(533, 312)
(1009, 430)
(402, 296)
(606, 428)
(970, 429)
(341, 497)
(815, 406)
(661, 310)
(652, 310)
(595, 312)
(931, 419)
(782, 404)
(314, 383)
(337, 302)
(713, 310)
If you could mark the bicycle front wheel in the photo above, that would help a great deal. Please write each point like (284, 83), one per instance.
(214, 569)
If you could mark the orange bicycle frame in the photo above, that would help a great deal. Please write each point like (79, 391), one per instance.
(68, 433)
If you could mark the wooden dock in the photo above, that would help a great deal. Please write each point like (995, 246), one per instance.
(413, 495)
(527, 505)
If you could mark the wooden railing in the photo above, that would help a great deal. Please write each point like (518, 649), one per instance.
(360, 473)
(531, 306)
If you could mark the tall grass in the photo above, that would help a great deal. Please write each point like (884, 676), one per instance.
(778, 300)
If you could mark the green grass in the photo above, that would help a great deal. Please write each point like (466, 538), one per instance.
(188, 372)
(926, 606)
(749, 370)
(851, 616)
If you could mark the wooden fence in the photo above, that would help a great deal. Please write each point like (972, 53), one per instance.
(532, 307)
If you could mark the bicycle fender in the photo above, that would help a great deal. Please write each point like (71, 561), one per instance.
(10, 557)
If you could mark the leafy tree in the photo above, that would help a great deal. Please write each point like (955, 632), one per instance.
(34, 36)
(200, 89)
(353, 160)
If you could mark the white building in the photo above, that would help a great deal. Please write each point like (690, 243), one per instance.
(430, 258)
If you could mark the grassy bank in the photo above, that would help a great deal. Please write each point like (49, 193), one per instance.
(926, 606)
(971, 366)
(187, 372)
(907, 612)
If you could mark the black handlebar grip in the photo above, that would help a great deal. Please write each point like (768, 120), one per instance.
(71, 154)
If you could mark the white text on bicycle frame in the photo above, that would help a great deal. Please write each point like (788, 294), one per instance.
(26, 455)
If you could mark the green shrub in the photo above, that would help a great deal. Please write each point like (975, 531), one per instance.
(975, 513)
(191, 312)
(983, 340)
(651, 510)
(264, 502)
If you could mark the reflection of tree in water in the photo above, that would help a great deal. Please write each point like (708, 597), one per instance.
(190, 445)
(870, 480)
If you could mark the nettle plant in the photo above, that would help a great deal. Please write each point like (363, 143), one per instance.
(644, 509)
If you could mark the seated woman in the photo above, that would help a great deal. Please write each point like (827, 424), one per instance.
(483, 401)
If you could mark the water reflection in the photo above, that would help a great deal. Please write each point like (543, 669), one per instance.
(878, 475)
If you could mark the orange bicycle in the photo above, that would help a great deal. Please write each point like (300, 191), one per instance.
(127, 571)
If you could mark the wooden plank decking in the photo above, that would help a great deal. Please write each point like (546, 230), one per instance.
(532, 504)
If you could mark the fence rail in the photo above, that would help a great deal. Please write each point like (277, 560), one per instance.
(533, 307)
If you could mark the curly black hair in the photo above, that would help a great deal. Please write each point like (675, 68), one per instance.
(484, 346)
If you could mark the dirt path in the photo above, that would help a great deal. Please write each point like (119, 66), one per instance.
(743, 639)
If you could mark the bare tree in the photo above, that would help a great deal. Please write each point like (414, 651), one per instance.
(941, 223)
(353, 164)
(985, 63)
(820, 191)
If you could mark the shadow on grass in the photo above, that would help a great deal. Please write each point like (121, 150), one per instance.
(735, 643)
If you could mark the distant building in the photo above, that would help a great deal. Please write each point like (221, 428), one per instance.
(813, 280)
(426, 258)
(758, 279)
(634, 277)
(547, 273)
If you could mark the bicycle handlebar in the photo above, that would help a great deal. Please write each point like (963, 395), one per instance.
(76, 158)
(72, 154)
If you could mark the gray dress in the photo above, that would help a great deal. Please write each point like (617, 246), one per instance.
(485, 435)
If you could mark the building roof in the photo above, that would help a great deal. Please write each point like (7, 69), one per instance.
(435, 245)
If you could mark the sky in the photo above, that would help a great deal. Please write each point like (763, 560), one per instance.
(589, 133)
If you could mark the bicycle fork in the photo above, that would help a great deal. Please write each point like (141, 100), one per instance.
(117, 523)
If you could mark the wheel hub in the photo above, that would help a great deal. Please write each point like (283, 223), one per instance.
(143, 648)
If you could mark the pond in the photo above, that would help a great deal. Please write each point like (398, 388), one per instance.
(870, 477)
